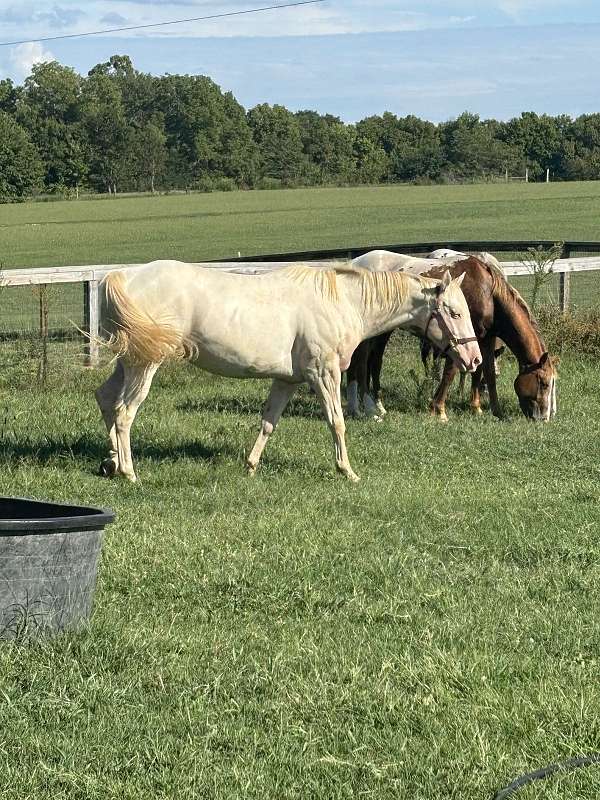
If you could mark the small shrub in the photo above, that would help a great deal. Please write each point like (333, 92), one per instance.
(268, 183)
(203, 185)
(578, 332)
(224, 185)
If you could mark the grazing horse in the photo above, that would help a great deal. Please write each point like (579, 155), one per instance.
(497, 310)
(294, 325)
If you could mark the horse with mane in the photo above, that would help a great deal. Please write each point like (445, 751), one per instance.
(294, 325)
(497, 311)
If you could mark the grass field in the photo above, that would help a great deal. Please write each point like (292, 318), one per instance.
(208, 226)
(430, 633)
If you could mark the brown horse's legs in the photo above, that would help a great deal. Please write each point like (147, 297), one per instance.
(273, 409)
(375, 364)
(489, 373)
(438, 404)
(357, 378)
(476, 391)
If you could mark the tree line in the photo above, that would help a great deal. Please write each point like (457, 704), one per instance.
(118, 129)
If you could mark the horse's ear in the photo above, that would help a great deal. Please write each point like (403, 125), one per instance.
(460, 279)
(544, 359)
(444, 283)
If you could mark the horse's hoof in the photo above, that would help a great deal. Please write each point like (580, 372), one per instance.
(477, 410)
(441, 416)
(380, 409)
(251, 470)
(352, 477)
(108, 468)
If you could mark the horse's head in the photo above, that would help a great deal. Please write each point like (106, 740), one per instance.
(449, 325)
(535, 386)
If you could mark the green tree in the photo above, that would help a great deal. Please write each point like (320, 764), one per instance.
(149, 151)
(8, 96)
(207, 132)
(109, 136)
(473, 148)
(539, 139)
(328, 145)
(277, 133)
(20, 166)
(50, 109)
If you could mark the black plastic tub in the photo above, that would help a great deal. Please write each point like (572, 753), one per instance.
(48, 564)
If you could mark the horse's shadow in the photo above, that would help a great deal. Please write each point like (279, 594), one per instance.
(305, 406)
(90, 448)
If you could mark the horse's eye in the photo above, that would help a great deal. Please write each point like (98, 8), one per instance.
(455, 315)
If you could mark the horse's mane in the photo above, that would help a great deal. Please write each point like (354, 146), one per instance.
(507, 293)
(377, 288)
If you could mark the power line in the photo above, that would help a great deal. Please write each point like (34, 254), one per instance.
(161, 24)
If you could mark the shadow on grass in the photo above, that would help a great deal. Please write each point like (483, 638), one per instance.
(300, 406)
(93, 449)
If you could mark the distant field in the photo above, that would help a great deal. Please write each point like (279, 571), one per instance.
(206, 226)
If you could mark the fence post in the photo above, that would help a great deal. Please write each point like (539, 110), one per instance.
(564, 291)
(90, 323)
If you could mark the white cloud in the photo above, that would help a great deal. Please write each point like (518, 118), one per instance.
(24, 56)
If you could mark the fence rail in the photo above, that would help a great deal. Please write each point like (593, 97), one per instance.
(90, 275)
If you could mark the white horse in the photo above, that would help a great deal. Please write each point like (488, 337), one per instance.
(294, 325)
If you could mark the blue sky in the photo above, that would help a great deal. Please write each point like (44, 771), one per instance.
(432, 58)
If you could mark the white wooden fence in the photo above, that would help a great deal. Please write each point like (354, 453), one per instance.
(90, 276)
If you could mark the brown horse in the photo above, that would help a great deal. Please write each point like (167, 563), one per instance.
(497, 310)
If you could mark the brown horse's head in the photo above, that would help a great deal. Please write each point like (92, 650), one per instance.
(535, 386)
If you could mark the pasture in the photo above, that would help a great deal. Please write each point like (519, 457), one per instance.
(431, 632)
(209, 226)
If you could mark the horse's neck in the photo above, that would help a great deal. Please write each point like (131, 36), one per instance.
(513, 325)
(410, 314)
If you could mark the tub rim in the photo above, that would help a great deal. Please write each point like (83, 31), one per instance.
(89, 518)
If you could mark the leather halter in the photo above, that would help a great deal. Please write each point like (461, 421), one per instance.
(443, 325)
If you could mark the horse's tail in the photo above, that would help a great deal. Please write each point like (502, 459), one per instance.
(131, 331)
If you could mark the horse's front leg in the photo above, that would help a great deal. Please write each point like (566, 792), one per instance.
(438, 404)
(476, 380)
(356, 376)
(489, 373)
(375, 363)
(277, 400)
(326, 383)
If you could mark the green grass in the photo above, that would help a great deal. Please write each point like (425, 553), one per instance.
(209, 226)
(432, 632)
(206, 226)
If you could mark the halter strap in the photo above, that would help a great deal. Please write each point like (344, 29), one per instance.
(452, 340)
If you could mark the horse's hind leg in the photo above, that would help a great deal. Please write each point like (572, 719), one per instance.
(107, 397)
(326, 384)
(119, 399)
(276, 402)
